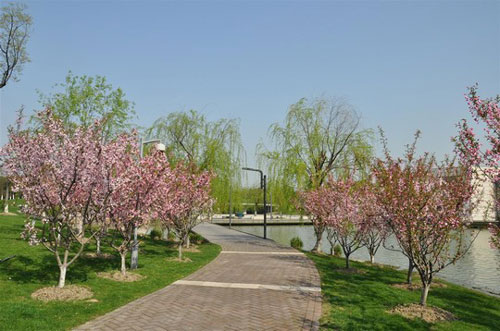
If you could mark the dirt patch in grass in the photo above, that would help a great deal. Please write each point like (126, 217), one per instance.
(105, 256)
(8, 214)
(176, 259)
(119, 277)
(428, 314)
(67, 293)
(417, 286)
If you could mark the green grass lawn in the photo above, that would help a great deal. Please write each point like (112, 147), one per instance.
(360, 301)
(35, 267)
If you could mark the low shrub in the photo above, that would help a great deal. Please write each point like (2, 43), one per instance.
(171, 236)
(195, 238)
(337, 250)
(155, 234)
(296, 242)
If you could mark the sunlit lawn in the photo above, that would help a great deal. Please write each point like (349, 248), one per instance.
(35, 267)
(360, 301)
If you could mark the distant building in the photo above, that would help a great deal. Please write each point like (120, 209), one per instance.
(487, 193)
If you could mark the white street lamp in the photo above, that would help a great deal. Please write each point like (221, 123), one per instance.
(134, 258)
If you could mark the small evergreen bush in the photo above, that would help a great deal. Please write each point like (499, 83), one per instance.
(296, 242)
(171, 236)
(337, 250)
(155, 234)
(195, 238)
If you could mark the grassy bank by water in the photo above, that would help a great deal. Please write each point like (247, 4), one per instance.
(360, 301)
(35, 267)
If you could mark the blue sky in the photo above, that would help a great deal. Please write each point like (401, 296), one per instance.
(403, 65)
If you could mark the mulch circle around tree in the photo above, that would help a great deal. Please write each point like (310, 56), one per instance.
(119, 277)
(105, 256)
(191, 249)
(428, 314)
(176, 259)
(67, 293)
(417, 286)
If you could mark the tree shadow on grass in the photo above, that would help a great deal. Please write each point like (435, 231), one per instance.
(24, 270)
(166, 251)
(159, 247)
(468, 306)
(45, 270)
(367, 297)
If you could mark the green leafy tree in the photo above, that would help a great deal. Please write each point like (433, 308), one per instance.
(84, 99)
(319, 137)
(81, 100)
(15, 28)
(214, 146)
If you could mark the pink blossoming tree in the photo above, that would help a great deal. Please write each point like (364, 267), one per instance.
(185, 201)
(373, 219)
(428, 205)
(345, 221)
(319, 204)
(335, 203)
(58, 173)
(485, 112)
(135, 186)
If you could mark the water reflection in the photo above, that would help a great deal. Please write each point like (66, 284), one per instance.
(478, 269)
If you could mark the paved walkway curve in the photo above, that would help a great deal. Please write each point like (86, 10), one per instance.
(254, 284)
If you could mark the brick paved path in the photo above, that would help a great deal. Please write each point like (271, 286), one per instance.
(254, 284)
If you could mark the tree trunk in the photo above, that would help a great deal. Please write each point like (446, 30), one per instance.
(98, 244)
(425, 292)
(62, 275)
(346, 260)
(123, 268)
(410, 272)
(332, 243)
(372, 258)
(188, 241)
(317, 246)
(134, 257)
(6, 204)
(79, 226)
(180, 251)
(318, 231)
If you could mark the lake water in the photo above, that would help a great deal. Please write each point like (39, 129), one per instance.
(478, 269)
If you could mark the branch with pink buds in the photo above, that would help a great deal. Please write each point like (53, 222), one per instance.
(473, 154)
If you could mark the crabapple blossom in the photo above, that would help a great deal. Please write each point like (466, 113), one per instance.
(336, 205)
(318, 205)
(134, 187)
(428, 206)
(57, 172)
(185, 201)
(373, 219)
(485, 112)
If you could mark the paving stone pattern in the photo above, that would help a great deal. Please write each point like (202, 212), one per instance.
(189, 307)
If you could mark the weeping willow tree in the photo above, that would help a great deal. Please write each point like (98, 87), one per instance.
(210, 145)
(318, 137)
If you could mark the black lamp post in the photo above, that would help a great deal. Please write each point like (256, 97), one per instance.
(262, 186)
